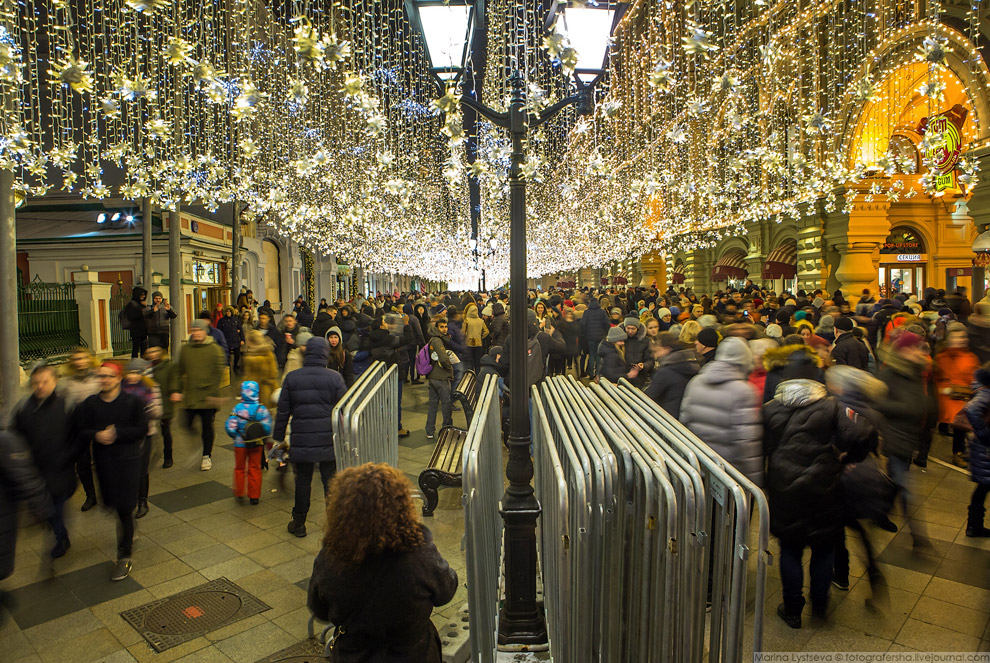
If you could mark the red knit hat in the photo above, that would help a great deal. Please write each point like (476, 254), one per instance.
(907, 340)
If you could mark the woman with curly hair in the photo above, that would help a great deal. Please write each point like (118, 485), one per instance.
(378, 575)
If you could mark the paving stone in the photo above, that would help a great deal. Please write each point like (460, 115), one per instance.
(951, 616)
(929, 637)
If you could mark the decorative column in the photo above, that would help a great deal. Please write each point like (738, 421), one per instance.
(810, 256)
(93, 299)
(979, 212)
(654, 269)
(857, 236)
(698, 271)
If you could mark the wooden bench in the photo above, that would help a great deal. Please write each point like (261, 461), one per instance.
(466, 393)
(444, 468)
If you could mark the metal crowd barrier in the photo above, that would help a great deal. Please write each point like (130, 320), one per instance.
(483, 488)
(630, 506)
(365, 421)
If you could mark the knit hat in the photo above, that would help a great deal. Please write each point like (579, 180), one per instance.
(643, 311)
(783, 315)
(800, 315)
(735, 350)
(531, 317)
(907, 340)
(708, 321)
(568, 302)
(790, 302)
(774, 331)
(674, 312)
(200, 324)
(827, 322)
(664, 312)
(616, 334)
(676, 328)
(758, 346)
(137, 365)
(302, 338)
(844, 324)
(950, 328)
(156, 294)
(617, 311)
(630, 322)
(708, 337)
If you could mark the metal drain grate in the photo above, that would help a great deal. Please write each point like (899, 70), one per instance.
(169, 622)
(307, 651)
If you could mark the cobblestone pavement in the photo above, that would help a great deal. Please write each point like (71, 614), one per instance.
(937, 602)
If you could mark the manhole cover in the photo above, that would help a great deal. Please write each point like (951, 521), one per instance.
(171, 621)
(192, 612)
(307, 651)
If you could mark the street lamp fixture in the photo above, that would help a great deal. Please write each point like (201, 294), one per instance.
(589, 28)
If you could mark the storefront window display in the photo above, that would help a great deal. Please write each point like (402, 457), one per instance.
(903, 262)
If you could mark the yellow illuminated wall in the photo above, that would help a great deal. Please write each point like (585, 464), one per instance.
(899, 107)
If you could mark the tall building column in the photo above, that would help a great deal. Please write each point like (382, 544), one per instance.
(857, 237)
(698, 271)
(979, 211)
(810, 254)
(653, 267)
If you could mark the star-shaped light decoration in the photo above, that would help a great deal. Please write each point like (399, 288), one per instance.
(933, 49)
(134, 89)
(478, 169)
(729, 84)
(611, 108)
(249, 149)
(353, 84)
(864, 90)
(158, 128)
(335, 51)
(376, 124)
(448, 103)
(72, 72)
(933, 88)
(298, 92)
(177, 52)
(696, 107)
(769, 54)
(146, 6)
(246, 103)
(697, 41)
(386, 159)
(816, 123)
(662, 77)
(677, 134)
(734, 120)
(308, 44)
(10, 63)
(203, 73)
(19, 140)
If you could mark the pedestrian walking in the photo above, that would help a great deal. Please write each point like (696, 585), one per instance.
(115, 422)
(44, 422)
(440, 376)
(308, 397)
(80, 384)
(249, 424)
(144, 388)
(198, 370)
(160, 369)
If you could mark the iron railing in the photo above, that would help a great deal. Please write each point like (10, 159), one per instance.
(120, 338)
(47, 319)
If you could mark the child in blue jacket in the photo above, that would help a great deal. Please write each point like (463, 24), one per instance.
(249, 446)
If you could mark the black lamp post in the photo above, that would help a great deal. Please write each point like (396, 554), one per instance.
(521, 620)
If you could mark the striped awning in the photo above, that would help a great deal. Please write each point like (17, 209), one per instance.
(677, 274)
(781, 262)
(730, 266)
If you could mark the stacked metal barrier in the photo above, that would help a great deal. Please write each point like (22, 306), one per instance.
(633, 507)
(483, 488)
(366, 419)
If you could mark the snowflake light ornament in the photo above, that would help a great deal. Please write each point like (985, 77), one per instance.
(697, 41)
(146, 6)
(72, 72)
(662, 77)
(177, 52)
(933, 49)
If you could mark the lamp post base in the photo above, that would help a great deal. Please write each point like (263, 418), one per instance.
(521, 620)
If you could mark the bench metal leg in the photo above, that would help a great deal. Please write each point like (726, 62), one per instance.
(429, 482)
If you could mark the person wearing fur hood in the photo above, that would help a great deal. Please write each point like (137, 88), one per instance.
(637, 350)
(788, 362)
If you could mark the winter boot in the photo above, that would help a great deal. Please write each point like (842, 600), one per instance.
(297, 525)
(974, 525)
(792, 619)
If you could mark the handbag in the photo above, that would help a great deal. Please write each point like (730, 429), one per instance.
(867, 491)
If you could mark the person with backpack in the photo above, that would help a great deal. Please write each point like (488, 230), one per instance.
(249, 424)
(434, 363)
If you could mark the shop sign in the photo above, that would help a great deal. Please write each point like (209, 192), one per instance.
(909, 257)
(944, 153)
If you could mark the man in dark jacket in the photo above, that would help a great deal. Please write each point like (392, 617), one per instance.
(216, 334)
(676, 365)
(706, 344)
(268, 328)
(20, 481)
(638, 350)
(324, 321)
(308, 397)
(115, 422)
(157, 318)
(547, 339)
(43, 419)
(498, 328)
(908, 411)
(134, 314)
(848, 350)
(440, 376)
(229, 325)
(804, 432)
(594, 327)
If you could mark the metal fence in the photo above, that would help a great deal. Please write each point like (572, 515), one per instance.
(483, 487)
(47, 319)
(635, 515)
(366, 420)
(120, 338)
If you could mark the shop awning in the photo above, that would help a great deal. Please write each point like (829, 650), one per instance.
(730, 266)
(677, 274)
(781, 262)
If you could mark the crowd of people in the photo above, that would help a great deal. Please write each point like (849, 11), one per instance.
(813, 396)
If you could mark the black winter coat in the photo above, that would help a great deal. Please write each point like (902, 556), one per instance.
(308, 396)
(20, 481)
(594, 324)
(850, 351)
(134, 312)
(611, 365)
(47, 429)
(278, 343)
(498, 328)
(322, 324)
(907, 409)
(230, 327)
(804, 431)
(384, 605)
(118, 465)
(670, 380)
